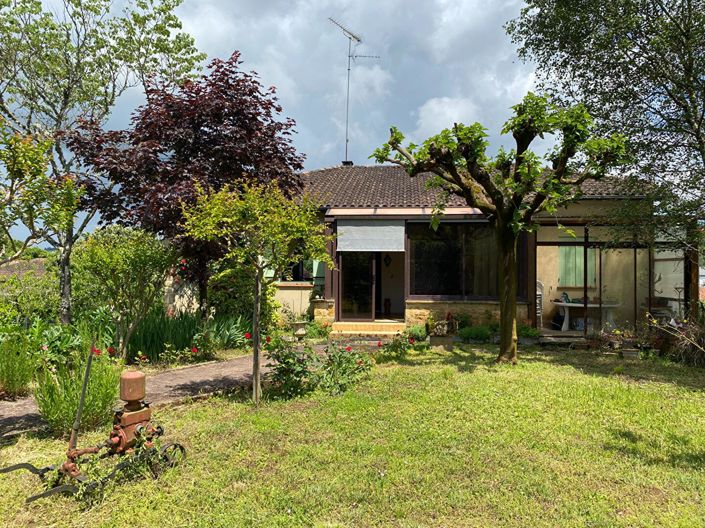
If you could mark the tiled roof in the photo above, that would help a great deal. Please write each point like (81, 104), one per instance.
(391, 186)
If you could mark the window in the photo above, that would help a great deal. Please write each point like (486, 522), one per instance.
(571, 265)
(457, 260)
(301, 272)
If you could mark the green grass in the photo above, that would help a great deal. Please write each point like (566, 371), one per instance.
(437, 439)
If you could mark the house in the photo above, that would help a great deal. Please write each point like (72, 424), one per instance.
(393, 270)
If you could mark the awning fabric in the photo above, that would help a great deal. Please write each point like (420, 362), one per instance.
(370, 235)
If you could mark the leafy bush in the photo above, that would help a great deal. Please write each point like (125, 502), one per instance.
(417, 332)
(480, 333)
(292, 369)
(318, 330)
(528, 331)
(231, 293)
(17, 365)
(463, 320)
(341, 368)
(124, 269)
(29, 296)
(58, 391)
(397, 347)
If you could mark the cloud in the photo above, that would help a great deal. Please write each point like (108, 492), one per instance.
(441, 61)
(442, 112)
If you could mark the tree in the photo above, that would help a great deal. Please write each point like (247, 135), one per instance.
(220, 129)
(57, 68)
(27, 195)
(511, 187)
(263, 229)
(123, 269)
(639, 67)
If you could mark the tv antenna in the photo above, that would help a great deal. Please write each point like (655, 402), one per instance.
(351, 57)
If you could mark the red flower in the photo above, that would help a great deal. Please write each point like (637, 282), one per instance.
(248, 335)
(267, 339)
(379, 344)
(348, 348)
(183, 268)
(194, 350)
(411, 340)
(96, 351)
(111, 351)
(183, 261)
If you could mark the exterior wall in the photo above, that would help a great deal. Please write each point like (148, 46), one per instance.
(296, 296)
(418, 312)
(180, 296)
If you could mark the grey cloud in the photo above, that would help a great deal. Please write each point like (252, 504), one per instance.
(439, 59)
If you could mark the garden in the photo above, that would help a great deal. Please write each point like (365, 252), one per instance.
(429, 438)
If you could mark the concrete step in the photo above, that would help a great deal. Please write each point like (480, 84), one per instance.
(367, 328)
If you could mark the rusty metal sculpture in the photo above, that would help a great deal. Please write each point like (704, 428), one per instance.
(132, 438)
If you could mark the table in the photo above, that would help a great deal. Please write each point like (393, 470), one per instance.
(607, 307)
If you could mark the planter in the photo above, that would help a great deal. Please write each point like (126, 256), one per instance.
(629, 353)
(445, 340)
(299, 329)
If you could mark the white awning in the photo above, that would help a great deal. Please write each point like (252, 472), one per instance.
(370, 235)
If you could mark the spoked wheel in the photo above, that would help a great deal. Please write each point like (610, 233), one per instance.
(172, 454)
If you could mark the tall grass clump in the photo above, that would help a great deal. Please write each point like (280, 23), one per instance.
(17, 364)
(158, 329)
(228, 332)
(59, 389)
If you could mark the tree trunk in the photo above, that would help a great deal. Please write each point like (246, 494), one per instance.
(256, 377)
(65, 283)
(202, 276)
(508, 285)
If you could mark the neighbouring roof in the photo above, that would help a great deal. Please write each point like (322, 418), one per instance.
(390, 186)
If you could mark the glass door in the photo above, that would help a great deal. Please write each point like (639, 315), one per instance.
(357, 286)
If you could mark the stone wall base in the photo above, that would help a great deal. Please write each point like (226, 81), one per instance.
(323, 310)
(418, 312)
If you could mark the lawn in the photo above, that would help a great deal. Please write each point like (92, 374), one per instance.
(440, 439)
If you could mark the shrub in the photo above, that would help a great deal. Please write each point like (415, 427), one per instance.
(341, 368)
(416, 332)
(318, 330)
(463, 320)
(292, 369)
(683, 341)
(480, 333)
(125, 270)
(528, 331)
(397, 347)
(17, 365)
(58, 391)
(29, 296)
(231, 293)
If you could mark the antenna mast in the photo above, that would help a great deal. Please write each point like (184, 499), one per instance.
(358, 40)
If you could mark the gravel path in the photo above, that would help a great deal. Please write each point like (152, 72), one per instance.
(170, 386)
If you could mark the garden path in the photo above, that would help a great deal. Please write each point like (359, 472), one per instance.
(169, 386)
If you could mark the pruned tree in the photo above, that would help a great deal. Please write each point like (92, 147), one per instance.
(261, 228)
(639, 67)
(60, 66)
(223, 128)
(511, 187)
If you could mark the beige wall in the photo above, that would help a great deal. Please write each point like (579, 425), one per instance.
(296, 296)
